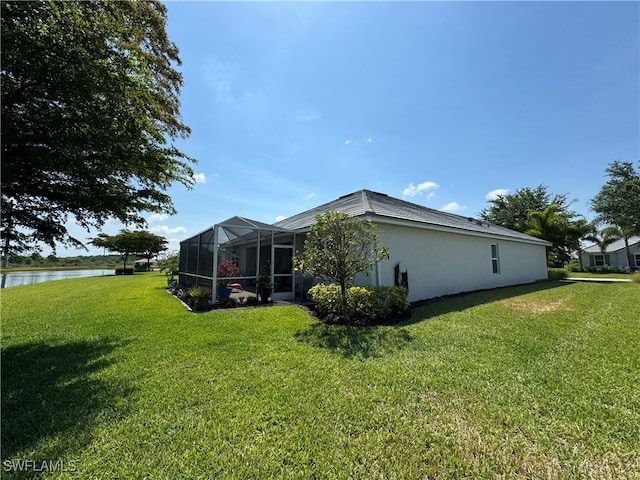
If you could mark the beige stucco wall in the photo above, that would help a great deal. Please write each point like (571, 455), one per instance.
(442, 263)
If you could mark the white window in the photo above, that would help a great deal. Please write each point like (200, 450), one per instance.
(495, 260)
(601, 260)
(637, 259)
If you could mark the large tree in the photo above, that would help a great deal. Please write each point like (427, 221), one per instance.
(618, 201)
(512, 210)
(539, 213)
(338, 247)
(560, 229)
(90, 110)
(126, 243)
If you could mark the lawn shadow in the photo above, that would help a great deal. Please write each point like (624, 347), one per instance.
(50, 397)
(355, 341)
(426, 309)
(365, 342)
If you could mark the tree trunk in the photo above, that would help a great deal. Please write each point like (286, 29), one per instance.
(628, 249)
(343, 294)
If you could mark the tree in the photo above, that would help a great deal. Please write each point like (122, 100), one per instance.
(605, 237)
(512, 210)
(90, 110)
(127, 243)
(338, 247)
(560, 229)
(618, 201)
(149, 245)
(540, 214)
(170, 264)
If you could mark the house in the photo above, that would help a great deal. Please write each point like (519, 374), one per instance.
(435, 253)
(615, 255)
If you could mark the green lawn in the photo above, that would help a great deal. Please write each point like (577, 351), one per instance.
(624, 276)
(111, 377)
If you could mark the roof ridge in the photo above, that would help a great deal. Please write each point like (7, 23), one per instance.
(366, 205)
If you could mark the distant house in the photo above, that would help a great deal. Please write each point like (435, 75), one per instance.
(615, 255)
(435, 253)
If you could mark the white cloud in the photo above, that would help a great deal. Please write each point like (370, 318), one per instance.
(279, 218)
(200, 178)
(370, 140)
(166, 230)
(347, 142)
(309, 196)
(425, 187)
(453, 207)
(157, 217)
(308, 116)
(222, 80)
(494, 194)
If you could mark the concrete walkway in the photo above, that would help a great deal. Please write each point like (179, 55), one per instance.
(598, 279)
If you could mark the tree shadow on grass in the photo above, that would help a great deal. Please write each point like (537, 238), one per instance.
(426, 309)
(366, 342)
(51, 397)
(355, 342)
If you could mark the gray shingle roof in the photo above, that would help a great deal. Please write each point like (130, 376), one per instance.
(365, 202)
(613, 247)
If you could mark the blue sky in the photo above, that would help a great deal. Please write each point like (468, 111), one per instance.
(441, 103)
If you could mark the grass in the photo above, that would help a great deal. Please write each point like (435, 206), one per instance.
(112, 378)
(625, 276)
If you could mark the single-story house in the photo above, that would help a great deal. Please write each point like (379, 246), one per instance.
(615, 255)
(434, 253)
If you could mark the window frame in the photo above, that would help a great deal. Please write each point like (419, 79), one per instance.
(495, 259)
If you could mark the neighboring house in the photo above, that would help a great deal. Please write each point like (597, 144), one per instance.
(439, 253)
(615, 255)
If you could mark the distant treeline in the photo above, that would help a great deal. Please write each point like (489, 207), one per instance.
(37, 260)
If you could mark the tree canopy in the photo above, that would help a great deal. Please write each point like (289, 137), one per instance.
(90, 110)
(338, 247)
(126, 243)
(618, 201)
(617, 204)
(512, 210)
(538, 213)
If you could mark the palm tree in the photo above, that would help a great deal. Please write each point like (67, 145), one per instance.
(552, 226)
(605, 237)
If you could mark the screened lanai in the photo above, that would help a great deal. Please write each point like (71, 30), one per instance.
(251, 246)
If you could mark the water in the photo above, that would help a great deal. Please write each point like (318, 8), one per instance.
(13, 279)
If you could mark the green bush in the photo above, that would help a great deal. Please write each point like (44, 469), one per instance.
(252, 301)
(124, 271)
(556, 274)
(608, 269)
(573, 267)
(199, 292)
(365, 305)
(327, 298)
(227, 302)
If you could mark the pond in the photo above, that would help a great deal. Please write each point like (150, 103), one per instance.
(13, 279)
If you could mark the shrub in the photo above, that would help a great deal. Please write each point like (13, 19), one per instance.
(608, 269)
(227, 303)
(199, 292)
(365, 305)
(124, 271)
(573, 267)
(556, 274)
(327, 298)
(252, 301)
